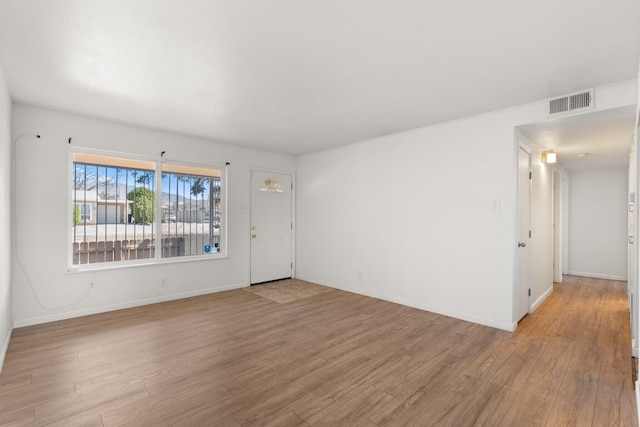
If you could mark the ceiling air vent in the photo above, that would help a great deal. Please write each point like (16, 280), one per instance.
(573, 102)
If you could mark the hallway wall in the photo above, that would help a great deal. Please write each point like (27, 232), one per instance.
(427, 217)
(598, 223)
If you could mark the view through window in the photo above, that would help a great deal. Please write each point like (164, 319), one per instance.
(121, 210)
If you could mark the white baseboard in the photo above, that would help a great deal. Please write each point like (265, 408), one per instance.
(129, 304)
(5, 347)
(598, 275)
(540, 300)
(510, 327)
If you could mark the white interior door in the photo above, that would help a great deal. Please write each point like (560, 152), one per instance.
(524, 220)
(271, 226)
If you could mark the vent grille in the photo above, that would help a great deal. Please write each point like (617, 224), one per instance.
(560, 105)
(580, 100)
(572, 102)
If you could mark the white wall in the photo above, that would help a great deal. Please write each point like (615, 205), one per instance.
(44, 290)
(6, 322)
(407, 217)
(598, 223)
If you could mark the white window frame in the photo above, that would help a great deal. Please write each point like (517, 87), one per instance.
(157, 235)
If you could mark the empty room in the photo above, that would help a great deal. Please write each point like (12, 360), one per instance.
(306, 213)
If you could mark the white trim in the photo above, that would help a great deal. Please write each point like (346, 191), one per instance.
(128, 304)
(522, 141)
(5, 347)
(637, 387)
(158, 161)
(540, 300)
(294, 225)
(598, 275)
(506, 326)
(223, 230)
(70, 207)
(118, 265)
(516, 176)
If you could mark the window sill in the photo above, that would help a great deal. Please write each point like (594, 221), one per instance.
(84, 268)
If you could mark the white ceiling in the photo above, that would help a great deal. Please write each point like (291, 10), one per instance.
(295, 76)
(604, 136)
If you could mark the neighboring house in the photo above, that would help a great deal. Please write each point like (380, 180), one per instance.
(96, 210)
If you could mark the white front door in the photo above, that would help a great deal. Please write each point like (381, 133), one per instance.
(271, 226)
(524, 219)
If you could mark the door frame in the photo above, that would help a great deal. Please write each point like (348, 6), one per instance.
(558, 226)
(518, 145)
(293, 213)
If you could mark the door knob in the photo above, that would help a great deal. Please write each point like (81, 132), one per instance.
(522, 244)
(253, 236)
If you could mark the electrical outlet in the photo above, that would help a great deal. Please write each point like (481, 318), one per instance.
(164, 282)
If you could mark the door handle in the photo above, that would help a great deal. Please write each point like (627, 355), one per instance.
(522, 244)
(253, 236)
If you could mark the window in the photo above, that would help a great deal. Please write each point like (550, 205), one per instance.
(271, 186)
(122, 207)
(190, 210)
(83, 212)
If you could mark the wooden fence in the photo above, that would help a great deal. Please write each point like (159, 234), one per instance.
(123, 250)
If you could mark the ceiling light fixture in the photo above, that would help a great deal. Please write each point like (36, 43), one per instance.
(582, 155)
(549, 156)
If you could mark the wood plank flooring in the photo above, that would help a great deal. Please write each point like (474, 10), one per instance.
(328, 359)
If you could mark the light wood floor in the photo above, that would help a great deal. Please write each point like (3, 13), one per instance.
(331, 359)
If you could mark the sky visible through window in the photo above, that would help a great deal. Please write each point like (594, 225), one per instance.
(114, 183)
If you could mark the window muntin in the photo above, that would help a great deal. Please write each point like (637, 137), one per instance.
(118, 215)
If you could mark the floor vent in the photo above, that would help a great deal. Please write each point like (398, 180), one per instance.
(573, 102)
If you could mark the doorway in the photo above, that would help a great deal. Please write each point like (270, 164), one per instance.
(271, 226)
(588, 187)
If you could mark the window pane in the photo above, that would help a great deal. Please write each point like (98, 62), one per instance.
(271, 186)
(190, 209)
(114, 205)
